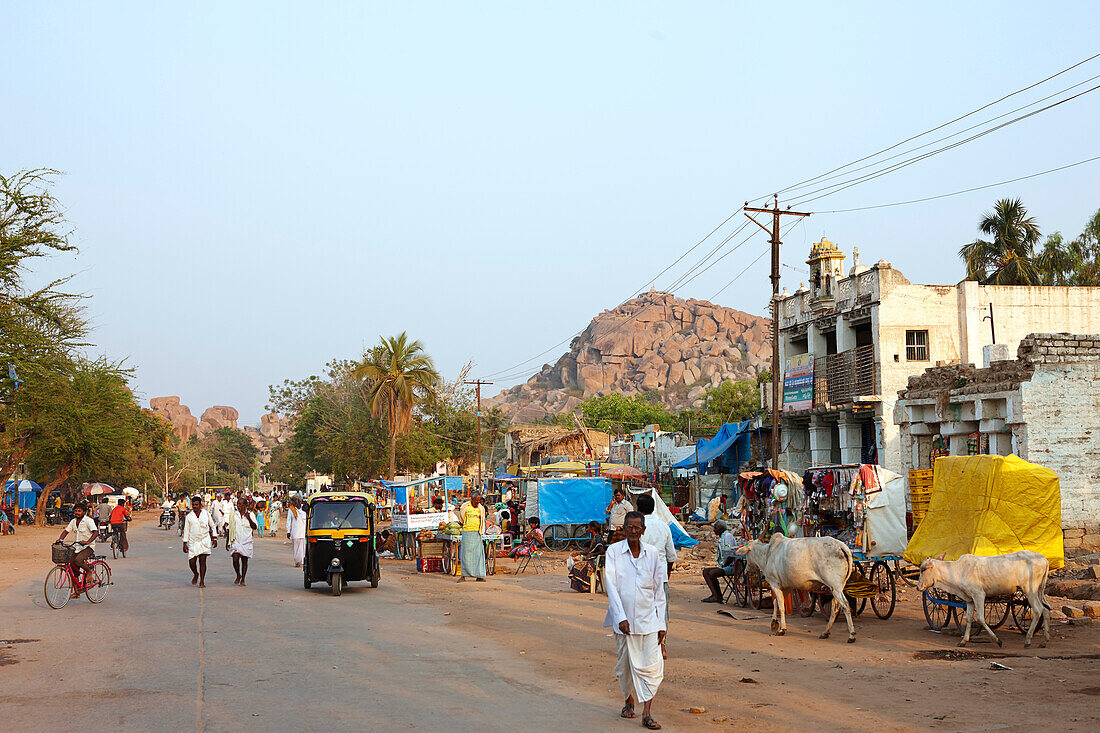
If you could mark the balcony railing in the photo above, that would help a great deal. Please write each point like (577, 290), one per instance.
(840, 378)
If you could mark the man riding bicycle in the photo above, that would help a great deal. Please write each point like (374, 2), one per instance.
(119, 516)
(84, 533)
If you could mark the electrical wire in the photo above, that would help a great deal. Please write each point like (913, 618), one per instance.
(933, 129)
(965, 190)
(843, 185)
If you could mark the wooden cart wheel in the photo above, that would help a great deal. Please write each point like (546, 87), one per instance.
(882, 603)
(803, 601)
(938, 614)
(996, 612)
(1021, 614)
(490, 558)
(448, 564)
(755, 586)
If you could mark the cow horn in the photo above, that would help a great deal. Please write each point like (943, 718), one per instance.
(941, 556)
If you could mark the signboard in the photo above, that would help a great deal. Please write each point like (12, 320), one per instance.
(798, 383)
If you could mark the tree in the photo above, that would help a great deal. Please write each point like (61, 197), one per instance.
(621, 414)
(401, 376)
(1009, 257)
(733, 401)
(84, 427)
(230, 450)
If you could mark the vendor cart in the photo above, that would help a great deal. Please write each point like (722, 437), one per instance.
(860, 505)
(987, 505)
(564, 506)
(412, 509)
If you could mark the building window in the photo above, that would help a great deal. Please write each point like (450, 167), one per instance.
(916, 346)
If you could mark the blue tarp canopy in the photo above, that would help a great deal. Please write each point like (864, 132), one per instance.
(504, 476)
(573, 500)
(730, 447)
(28, 493)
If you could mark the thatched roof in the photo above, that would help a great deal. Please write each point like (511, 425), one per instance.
(556, 440)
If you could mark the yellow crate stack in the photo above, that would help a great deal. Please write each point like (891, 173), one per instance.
(920, 493)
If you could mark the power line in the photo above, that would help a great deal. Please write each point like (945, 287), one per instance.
(934, 129)
(960, 132)
(735, 277)
(965, 190)
(838, 187)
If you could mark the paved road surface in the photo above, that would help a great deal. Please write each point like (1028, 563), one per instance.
(159, 654)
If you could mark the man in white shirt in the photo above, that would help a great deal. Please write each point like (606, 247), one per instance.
(635, 578)
(84, 532)
(658, 534)
(198, 540)
(617, 510)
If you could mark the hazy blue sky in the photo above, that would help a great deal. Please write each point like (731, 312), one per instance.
(258, 188)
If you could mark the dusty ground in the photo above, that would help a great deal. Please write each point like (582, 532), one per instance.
(497, 655)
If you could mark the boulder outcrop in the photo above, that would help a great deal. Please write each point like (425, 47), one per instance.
(655, 343)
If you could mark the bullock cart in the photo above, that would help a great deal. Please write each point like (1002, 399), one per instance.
(863, 506)
(987, 505)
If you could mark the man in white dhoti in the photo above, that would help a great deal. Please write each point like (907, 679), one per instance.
(635, 579)
(198, 540)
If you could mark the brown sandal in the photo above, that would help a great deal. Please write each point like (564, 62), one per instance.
(627, 712)
(650, 723)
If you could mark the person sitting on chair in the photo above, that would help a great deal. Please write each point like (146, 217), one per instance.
(532, 540)
(727, 545)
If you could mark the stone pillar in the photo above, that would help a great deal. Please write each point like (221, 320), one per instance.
(851, 439)
(845, 335)
(815, 341)
(821, 442)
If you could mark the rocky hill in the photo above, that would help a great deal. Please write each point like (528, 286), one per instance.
(653, 343)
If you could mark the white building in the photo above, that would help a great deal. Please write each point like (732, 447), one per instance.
(869, 330)
(1043, 407)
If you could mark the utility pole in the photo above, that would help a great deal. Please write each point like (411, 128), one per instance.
(774, 241)
(478, 383)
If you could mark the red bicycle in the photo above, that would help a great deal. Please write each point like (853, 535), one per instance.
(63, 582)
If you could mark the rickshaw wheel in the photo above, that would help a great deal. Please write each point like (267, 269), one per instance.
(882, 603)
(305, 576)
(375, 573)
(557, 537)
(938, 615)
(337, 583)
(996, 613)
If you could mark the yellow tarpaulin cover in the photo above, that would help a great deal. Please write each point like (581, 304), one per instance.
(990, 505)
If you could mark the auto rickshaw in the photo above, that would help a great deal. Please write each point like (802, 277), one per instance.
(340, 540)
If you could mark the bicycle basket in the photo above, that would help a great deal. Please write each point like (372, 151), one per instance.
(62, 554)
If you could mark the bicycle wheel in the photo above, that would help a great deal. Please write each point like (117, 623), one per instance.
(490, 558)
(114, 547)
(936, 611)
(58, 587)
(803, 601)
(557, 537)
(97, 582)
(1021, 614)
(882, 603)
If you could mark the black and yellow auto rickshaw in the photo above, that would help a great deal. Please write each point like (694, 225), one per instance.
(340, 540)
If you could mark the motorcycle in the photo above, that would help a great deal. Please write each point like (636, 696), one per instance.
(167, 518)
(53, 516)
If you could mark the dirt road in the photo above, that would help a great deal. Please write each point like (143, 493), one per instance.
(422, 651)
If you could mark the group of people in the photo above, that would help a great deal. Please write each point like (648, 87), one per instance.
(235, 520)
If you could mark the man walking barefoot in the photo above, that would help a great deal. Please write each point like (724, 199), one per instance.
(635, 578)
(198, 539)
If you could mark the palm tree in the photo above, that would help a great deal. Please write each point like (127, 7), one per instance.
(1058, 261)
(401, 376)
(1009, 259)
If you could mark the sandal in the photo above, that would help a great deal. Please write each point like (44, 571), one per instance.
(650, 723)
(627, 712)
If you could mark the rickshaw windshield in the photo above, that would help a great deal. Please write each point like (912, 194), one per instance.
(338, 515)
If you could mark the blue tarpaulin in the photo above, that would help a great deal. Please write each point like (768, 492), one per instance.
(730, 448)
(573, 500)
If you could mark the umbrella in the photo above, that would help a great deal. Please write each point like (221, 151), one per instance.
(97, 488)
(622, 472)
(131, 491)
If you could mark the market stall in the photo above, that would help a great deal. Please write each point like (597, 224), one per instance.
(412, 509)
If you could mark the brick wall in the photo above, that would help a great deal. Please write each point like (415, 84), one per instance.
(1061, 405)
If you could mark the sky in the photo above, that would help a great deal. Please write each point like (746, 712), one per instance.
(259, 188)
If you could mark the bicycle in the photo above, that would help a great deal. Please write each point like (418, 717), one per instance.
(64, 583)
(116, 543)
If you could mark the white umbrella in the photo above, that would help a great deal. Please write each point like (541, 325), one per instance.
(97, 488)
(131, 491)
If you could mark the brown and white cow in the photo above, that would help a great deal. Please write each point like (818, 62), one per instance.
(803, 564)
(974, 578)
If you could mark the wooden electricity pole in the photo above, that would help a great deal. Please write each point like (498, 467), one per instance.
(774, 241)
(478, 383)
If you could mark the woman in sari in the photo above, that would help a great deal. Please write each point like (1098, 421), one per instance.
(472, 517)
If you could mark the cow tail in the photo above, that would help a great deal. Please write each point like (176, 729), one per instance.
(851, 561)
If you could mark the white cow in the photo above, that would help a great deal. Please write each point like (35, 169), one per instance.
(804, 564)
(974, 578)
